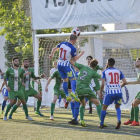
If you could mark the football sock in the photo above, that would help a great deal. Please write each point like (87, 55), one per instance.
(59, 99)
(103, 114)
(72, 108)
(52, 108)
(65, 87)
(136, 112)
(82, 110)
(73, 85)
(90, 104)
(101, 102)
(3, 105)
(7, 109)
(38, 105)
(132, 114)
(118, 110)
(25, 110)
(13, 110)
(76, 110)
(99, 108)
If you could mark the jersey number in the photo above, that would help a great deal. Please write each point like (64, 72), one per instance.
(114, 78)
(85, 74)
(63, 51)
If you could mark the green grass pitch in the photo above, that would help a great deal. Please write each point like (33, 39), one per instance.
(43, 129)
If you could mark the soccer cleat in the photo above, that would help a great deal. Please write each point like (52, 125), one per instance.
(101, 126)
(74, 96)
(90, 111)
(118, 125)
(135, 123)
(82, 123)
(128, 122)
(66, 104)
(29, 118)
(39, 113)
(10, 117)
(73, 122)
(105, 125)
(51, 117)
(1, 112)
(5, 118)
(68, 98)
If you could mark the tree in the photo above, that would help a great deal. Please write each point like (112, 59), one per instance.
(16, 28)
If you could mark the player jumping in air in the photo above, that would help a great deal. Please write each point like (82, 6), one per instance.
(83, 89)
(14, 87)
(66, 70)
(134, 119)
(27, 89)
(111, 78)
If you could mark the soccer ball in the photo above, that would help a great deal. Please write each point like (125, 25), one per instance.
(76, 32)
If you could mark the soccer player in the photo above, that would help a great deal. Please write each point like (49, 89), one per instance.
(134, 118)
(27, 89)
(51, 72)
(94, 82)
(83, 89)
(14, 87)
(111, 78)
(66, 70)
(57, 90)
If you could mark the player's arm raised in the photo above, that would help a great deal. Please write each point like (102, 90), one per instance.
(78, 56)
(53, 51)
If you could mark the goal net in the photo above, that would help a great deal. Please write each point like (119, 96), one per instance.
(122, 45)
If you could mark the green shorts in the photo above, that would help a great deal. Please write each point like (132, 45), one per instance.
(85, 93)
(16, 94)
(30, 92)
(138, 96)
(97, 87)
(59, 92)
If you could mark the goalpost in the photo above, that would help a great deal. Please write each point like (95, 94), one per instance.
(123, 45)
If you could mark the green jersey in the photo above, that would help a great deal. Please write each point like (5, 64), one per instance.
(14, 78)
(85, 75)
(58, 80)
(27, 78)
(97, 68)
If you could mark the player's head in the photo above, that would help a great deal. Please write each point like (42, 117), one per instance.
(73, 39)
(93, 63)
(137, 63)
(111, 62)
(26, 63)
(55, 64)
(89, 58)
(15, 61)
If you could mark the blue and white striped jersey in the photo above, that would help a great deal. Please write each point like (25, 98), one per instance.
(67, 51)
(112, 78)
